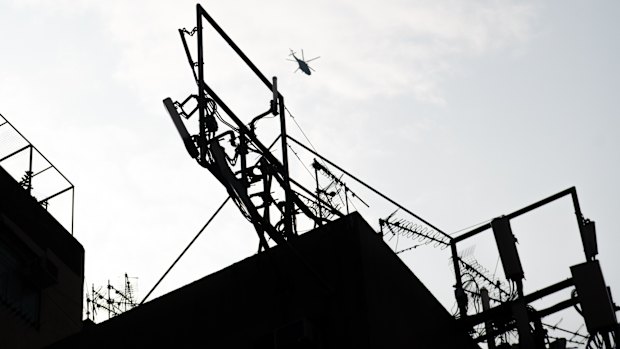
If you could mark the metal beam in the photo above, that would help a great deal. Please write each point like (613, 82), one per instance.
(506, 307)
(526, 209)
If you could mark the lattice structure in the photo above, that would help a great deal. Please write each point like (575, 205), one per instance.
(36, 174)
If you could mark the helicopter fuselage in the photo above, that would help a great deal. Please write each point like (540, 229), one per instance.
(303, 65)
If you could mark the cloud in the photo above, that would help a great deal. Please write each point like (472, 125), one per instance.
(404, 47)
(369, 49)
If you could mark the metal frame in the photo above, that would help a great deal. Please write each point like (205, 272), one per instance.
(453, 242)
(212, 156)
(29, 175)
(517, 308)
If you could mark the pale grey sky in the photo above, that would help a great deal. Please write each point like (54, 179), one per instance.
(460, 110)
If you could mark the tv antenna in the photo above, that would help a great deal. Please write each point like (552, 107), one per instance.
(112, 300)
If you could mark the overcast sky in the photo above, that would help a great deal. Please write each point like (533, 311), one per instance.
(460, 110)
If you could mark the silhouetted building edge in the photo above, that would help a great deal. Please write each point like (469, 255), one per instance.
(338, 286)
(41, 272)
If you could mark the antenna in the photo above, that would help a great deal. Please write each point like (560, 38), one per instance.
(113, 300)
(336, 181)
(178, 123)
(415, 231)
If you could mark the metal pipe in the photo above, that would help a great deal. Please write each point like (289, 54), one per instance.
(35, 148)
(488, 325)
(43, 170)
(557, 307)
(14, 153)
(288, 204)
(541, 203)
(55, 195)
(72, 207)
(459, 294)
(188, 54)
(318, 195)
(496, 311)
(549, 290)
(201, 92)
(29, 174)
(259, 74)
(523, 211)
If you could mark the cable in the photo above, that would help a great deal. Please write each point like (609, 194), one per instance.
(471, 226)
(299, 127)
(298, 158)
(495, 270)
(186, 248)
(302, 132)
(314, 148)
(368, 186)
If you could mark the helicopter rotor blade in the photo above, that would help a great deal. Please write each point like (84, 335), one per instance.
(310, 60)
(311, 69)
(302, 55)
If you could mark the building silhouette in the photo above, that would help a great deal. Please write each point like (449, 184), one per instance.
(339, 286)
(41, 272)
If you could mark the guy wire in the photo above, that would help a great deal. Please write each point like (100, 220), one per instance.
(185, 250)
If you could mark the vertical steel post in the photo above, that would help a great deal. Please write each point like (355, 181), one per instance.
(588, 237)
(573, 194)
(108, 302)
(488, 325)
(266, 190)
(201, 93)
(318, 195)
(244, 164)
(459, 293)
(29, 173)
(288, 203)
(520, 314)
(72, 207)
(539, 333)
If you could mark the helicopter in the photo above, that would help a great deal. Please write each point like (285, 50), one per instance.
(303, 63)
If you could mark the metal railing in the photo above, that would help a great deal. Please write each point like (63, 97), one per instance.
(36, 174)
